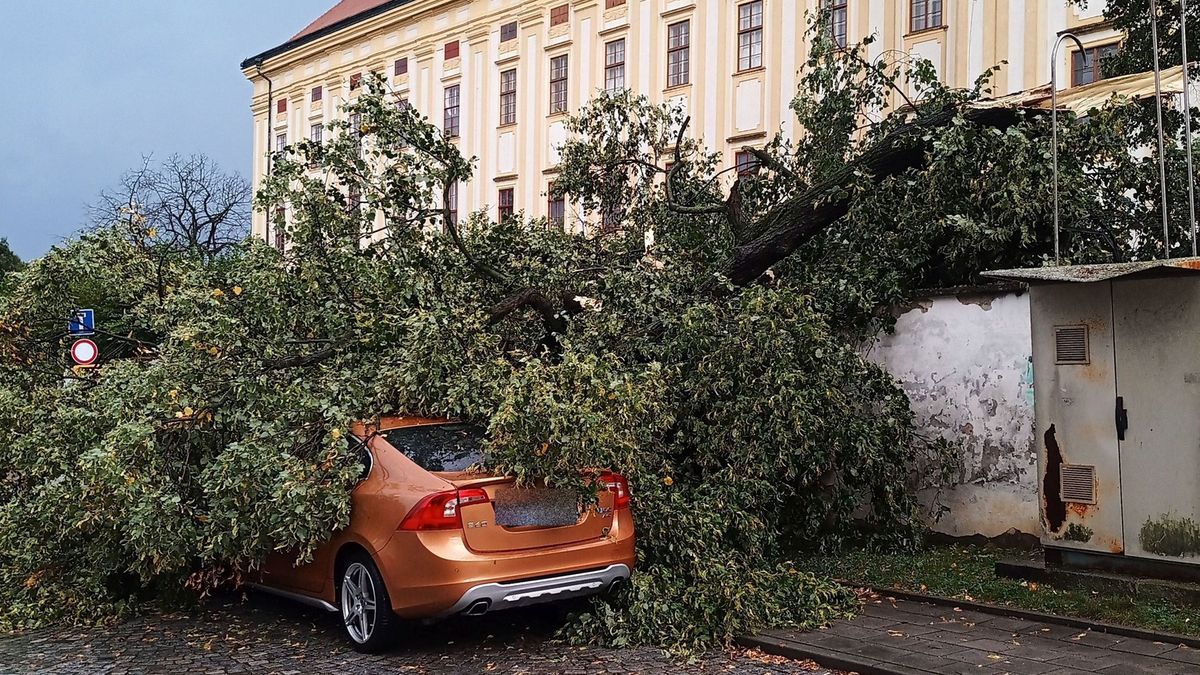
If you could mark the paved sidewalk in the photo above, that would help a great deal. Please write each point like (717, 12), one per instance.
(910, 638)
(269, 636)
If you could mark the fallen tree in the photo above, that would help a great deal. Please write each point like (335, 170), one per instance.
(708, 348)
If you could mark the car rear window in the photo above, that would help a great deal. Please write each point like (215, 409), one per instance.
(445, 447)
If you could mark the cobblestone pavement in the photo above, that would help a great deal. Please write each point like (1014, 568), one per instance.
(265, 635)
(895, 636)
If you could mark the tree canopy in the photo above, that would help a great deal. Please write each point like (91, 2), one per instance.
(710, 347)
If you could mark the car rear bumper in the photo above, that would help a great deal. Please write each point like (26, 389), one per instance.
(428, 574)
(499, 596)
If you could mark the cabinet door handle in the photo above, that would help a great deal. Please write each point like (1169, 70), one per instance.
(1122, 418)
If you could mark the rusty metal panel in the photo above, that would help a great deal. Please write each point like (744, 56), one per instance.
(1157, 324)
(1074, 413)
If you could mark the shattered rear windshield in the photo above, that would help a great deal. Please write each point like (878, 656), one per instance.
(445, 447)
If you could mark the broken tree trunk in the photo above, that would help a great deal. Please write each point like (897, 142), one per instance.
(794, 222)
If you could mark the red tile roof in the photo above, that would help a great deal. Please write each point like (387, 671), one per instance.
(343, 10)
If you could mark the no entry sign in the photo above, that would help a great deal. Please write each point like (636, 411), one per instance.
(85, 352)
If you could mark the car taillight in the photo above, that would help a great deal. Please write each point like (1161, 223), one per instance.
(619, 486)
(442, 511)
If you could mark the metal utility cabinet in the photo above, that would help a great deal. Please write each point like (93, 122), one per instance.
(1116, 353)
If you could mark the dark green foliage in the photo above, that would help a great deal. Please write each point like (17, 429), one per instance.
(9, 261)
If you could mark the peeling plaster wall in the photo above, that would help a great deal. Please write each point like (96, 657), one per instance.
(966, 362)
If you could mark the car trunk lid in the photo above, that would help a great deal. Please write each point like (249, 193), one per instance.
(521, 518)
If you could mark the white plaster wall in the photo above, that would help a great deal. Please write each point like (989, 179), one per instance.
(965, 362)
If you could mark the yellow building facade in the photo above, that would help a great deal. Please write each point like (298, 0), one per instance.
(507, 72)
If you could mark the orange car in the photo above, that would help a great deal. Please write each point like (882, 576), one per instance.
(430, 538)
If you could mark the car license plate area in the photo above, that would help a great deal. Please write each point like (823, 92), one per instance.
(517, 508)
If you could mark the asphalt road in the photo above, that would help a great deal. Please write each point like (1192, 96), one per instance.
(264, 635)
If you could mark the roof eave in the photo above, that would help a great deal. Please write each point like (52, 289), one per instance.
(1097, 273)
(260, 59)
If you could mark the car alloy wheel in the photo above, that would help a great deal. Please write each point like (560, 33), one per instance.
(360, 608)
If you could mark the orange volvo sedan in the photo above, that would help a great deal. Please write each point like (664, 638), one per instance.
(430, 537)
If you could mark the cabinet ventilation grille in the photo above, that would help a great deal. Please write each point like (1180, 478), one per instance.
(1071, 345)
(1078, 484)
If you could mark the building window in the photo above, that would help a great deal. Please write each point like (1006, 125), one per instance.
(610, 219)
(452, 50)
(508, 31)
(559, 67)
(281, 106)
(356, 126)
(614, 66)
(451, 112)
(679, 42)
(1087, 66)
(837, 19)
(926, 14)
(355, 81)
(746, 163)
(280, 221)
(609, 4)
(280, 142)
(354, 199)
(556, 208)
(452, 203)
(318, 93)
(400, 67)
(403, 104)
(750, 35)
(506, 204)
(317, 134)
(560, 15)
(508, 97)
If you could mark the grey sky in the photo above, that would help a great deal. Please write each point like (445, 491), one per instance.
(93, 85)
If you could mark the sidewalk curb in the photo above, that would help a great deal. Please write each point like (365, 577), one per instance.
(833, 661)
(1030, 615)
(779, 645)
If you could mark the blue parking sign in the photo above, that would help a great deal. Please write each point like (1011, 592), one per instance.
(83, 322)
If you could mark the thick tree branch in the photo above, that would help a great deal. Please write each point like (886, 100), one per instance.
(794, 222)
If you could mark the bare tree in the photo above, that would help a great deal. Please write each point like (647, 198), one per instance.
(187, 203)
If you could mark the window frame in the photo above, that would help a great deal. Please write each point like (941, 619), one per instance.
(278, 223)
(510, 27)
(679, 55)
(508, 97)
(839, 15)
(316, 133)
(281, 142)
(400, 67)
(553, 205)
(745, 163)
(505, 201)
(612, 217)
(560, 84)
(560, 14)
(281, 106)
(452, 50)
(746, 35)
(317, 94)
(926, 15)
(614, 69)
(452, 111)
(1095, 59)
(613, 4)
(356, 81)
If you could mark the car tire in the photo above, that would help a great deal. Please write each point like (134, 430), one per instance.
(364, 605)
